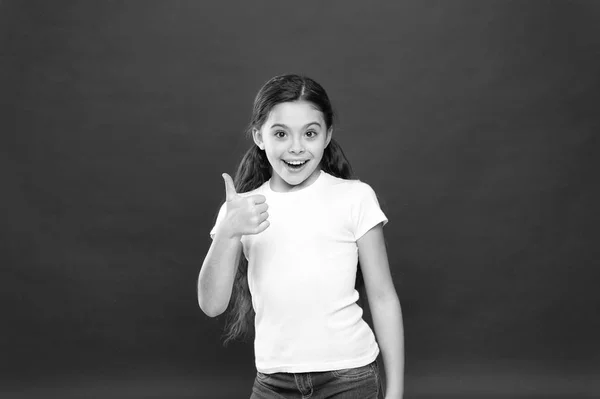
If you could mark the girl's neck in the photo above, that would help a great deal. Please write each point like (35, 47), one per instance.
(278, 185)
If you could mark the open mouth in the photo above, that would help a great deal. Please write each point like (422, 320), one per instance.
(295, 165)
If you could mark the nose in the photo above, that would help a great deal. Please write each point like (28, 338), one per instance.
(296, 147)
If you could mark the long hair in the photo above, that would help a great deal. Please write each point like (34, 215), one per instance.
(254, 170)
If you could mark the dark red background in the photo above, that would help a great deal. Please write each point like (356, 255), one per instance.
(475, 122)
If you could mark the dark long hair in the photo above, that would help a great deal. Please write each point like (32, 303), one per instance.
(254, 170)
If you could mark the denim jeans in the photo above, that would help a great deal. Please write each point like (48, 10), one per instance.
(355, 383)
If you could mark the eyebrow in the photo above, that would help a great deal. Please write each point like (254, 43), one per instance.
(304, 127)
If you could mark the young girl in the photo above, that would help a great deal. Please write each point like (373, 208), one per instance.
(292, 246)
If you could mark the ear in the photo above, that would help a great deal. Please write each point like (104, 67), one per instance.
(329, 136)
(258, 139)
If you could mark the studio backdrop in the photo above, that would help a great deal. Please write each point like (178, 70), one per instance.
(475, 122)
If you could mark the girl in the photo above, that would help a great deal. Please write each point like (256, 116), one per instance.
(293, 244)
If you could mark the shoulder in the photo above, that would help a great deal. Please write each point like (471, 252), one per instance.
(350, 187)
(258, 190)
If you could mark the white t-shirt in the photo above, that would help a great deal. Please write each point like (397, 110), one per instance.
(302, 272)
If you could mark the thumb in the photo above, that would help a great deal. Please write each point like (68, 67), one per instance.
(229, 188)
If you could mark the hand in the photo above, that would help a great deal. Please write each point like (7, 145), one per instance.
(245, 215)
(394, 394)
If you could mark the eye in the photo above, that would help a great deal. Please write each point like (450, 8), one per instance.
(311, 133)
(279, 134)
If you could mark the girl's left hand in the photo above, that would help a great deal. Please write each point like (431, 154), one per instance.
(393, 396)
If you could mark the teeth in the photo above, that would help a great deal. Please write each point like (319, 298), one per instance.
(296, 162)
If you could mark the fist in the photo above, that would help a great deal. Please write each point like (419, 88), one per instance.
(244, 215)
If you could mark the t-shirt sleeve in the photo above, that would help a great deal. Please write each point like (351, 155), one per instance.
(366, 211)
(220, 218)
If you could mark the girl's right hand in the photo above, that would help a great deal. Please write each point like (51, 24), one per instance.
(245, 215)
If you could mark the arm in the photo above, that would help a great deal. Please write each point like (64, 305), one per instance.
(244, 215)
(215, 281)
(385, 308)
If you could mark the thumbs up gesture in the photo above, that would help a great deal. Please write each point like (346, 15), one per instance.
(245, 215)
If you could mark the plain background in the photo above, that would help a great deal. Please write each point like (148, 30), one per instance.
(476, 122)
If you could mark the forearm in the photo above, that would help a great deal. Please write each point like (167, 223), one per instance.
(389, 329)
(215, 281)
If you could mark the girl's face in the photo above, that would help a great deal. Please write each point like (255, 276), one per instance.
(293, 137)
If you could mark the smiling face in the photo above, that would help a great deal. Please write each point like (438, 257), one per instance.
(294, 137)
